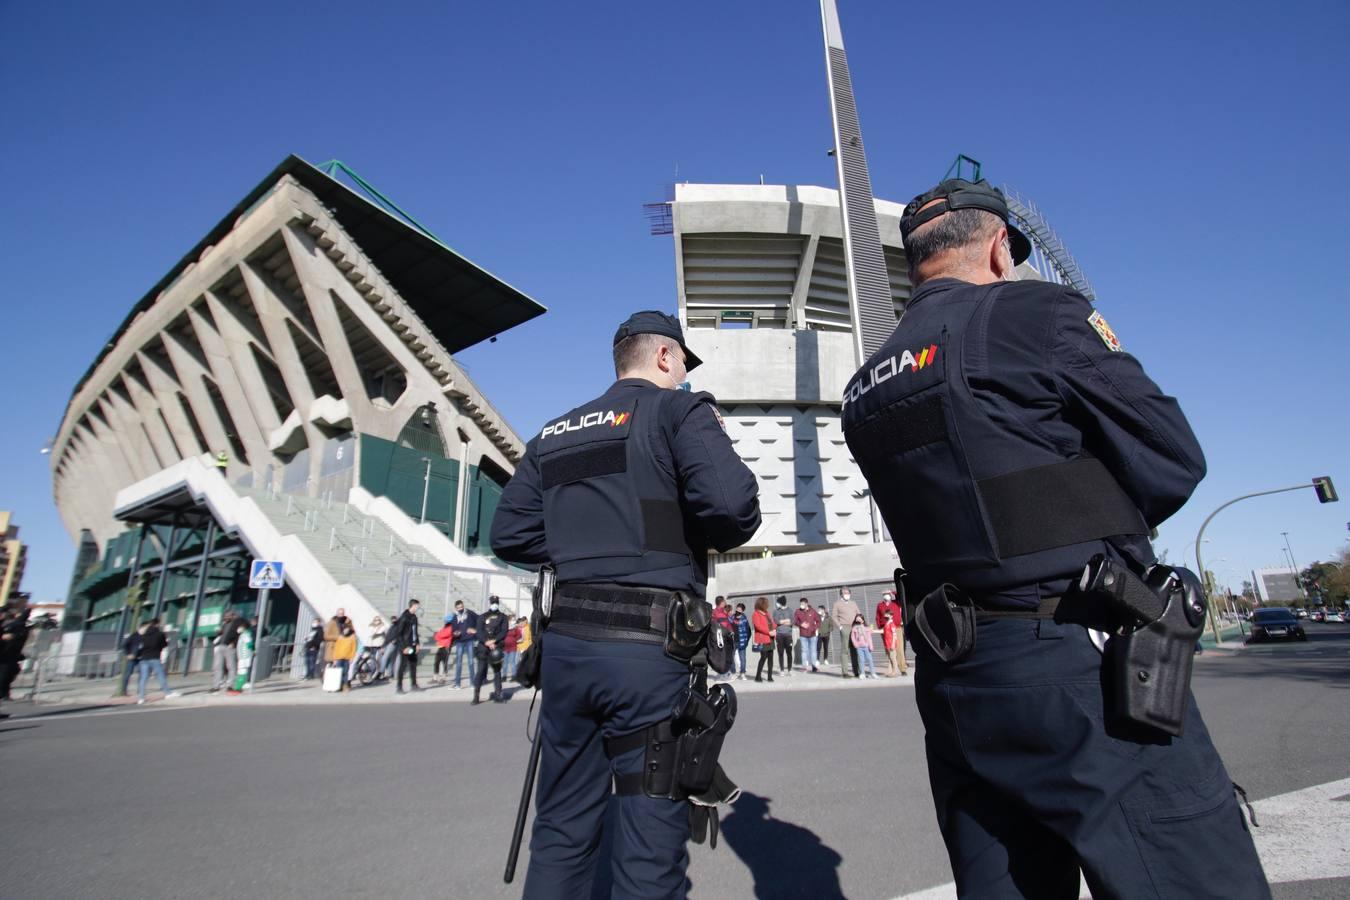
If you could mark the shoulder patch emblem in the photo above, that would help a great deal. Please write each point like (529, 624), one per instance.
(720, 421)
(1098, 323)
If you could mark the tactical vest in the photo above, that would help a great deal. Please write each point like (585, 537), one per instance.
(610, 510)
(984, 503)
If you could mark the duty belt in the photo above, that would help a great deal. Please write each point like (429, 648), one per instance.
(611, 612)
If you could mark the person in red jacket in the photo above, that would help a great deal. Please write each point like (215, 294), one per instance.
(892, 638)
(889, 606)
(440, 670)
(762, 625)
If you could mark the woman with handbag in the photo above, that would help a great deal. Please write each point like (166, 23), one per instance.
(764, 627)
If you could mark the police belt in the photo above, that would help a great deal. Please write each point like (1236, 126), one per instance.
(1048, 608)
(610, 613)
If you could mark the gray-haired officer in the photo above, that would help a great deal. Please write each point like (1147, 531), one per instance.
(624, 496)
(1008, 440)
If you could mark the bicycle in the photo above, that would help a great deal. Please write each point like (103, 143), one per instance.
(366, 669)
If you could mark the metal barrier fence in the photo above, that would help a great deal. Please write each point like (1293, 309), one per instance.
(441, 585)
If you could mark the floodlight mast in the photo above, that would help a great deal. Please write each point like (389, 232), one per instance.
(870, 304)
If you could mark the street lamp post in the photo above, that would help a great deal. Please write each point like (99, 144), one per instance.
(1297, 581)
(1199, 537)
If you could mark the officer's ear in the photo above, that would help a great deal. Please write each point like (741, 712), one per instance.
(1000, 255)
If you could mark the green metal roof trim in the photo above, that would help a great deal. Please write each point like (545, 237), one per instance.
(460, 302)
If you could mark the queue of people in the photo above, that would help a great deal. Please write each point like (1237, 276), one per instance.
(799, 639)
(489, 643)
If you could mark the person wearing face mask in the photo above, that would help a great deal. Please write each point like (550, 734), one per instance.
(843, 614)
(623, 496)
(807, 621)
(490, 650)
(1009, 441)
(782, 622)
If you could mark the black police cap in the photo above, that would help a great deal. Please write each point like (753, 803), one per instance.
(957, 193)
(649, 321)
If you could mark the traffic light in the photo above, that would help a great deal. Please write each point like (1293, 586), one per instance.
(1326, 491)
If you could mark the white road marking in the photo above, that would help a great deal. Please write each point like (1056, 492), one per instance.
(1301, 838)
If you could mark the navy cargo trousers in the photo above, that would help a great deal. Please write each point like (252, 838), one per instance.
(1029, 786)
(593, 690)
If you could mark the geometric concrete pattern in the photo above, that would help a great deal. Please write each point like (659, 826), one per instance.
(276, 343)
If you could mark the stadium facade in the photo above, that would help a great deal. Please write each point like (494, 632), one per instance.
(287, 391)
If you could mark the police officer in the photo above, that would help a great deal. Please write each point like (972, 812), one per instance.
(492, 628)
(624, 496)
(1008, 438)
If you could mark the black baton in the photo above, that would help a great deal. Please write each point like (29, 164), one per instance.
(530, 771)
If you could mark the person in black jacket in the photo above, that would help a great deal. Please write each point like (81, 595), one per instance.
(13, 635)
(407, 639)
(313, 647)
(225, 663)
(1008, 439)
(131, 650)
(492, 628)
(624, 496)
(148, 660)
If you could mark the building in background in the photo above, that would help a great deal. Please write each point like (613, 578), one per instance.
(1277, 586)
(294, 365)
(13, 556)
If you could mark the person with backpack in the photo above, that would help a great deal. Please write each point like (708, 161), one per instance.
(131, 657)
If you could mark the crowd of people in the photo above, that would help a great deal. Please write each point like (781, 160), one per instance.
(799, 639)
(486, 643)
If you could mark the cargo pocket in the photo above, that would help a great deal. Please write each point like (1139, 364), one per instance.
(1195, 843)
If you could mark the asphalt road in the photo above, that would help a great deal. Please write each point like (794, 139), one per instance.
(404, 800)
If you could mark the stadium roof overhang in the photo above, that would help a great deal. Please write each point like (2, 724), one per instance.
(461, 303)
(175, 505)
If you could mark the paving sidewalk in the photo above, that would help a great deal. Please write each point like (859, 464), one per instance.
(194, 691)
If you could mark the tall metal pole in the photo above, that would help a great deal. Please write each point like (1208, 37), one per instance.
(1199, 539)
(164, 570)
(1297, 582)
(201, 590)
(426, 488)
(261, 616)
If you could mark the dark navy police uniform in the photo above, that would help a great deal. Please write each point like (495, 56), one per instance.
(624, 496)
(997, 428)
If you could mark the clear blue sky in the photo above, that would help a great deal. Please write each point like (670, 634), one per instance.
(1191, 155)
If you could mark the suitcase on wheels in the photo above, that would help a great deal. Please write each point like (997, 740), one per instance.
(332, 679)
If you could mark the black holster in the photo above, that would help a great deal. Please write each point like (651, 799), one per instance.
(1149, 662)
(945, 619)
(680, 757)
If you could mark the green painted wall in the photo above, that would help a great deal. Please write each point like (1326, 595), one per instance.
(393, 471)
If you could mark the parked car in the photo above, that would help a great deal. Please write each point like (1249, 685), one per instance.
(1276, 624)
(1336, 617)
(1319, 616)
(1301, 613)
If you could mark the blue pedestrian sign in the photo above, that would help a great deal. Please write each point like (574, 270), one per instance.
(266, 574)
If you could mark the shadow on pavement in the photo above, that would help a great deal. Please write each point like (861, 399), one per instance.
(786, 860)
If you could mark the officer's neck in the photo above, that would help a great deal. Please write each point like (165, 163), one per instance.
(968, 274)
(655, 379)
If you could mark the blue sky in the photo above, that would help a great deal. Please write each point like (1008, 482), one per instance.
(1191, 156)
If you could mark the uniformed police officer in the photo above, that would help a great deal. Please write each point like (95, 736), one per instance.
(624, 496)
(1008, 438)
(492, 628)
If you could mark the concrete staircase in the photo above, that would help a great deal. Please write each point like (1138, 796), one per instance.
(341, 555)
(362, 550)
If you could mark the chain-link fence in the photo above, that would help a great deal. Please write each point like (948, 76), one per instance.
(439, 587)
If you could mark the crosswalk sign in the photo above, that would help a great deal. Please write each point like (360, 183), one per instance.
(266, 574)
